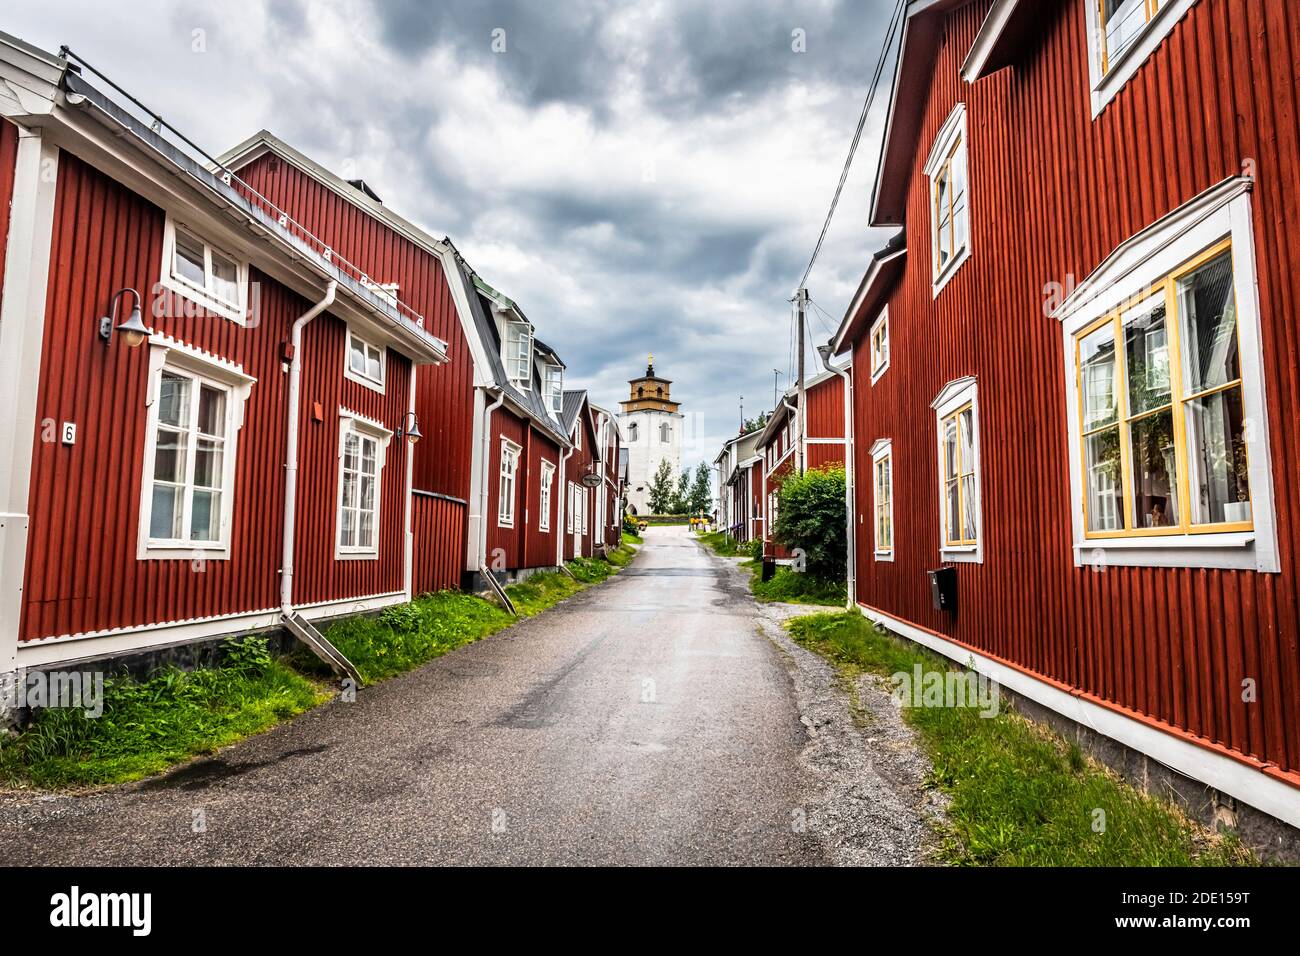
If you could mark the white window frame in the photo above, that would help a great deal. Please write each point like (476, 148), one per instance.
(882, 450)
(201, 367)
(951, 141)
(351, 422)
(880, 363)
(510, 452)
(569, 509)
(519, 367)
(203, 296)
(955, 396)
(1110, 75)
(577, 438)
(554, 392)
(362, 378)
(584, 495)
(1223, 212)
(545, 495)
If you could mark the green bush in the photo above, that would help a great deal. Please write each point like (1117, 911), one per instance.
(755, 549)
(811, 519)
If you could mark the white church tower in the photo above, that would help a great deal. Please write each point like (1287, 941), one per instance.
(652, 431)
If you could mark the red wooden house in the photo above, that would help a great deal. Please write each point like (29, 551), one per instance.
(609, 498)
(1073, 370)
(782, 451)
(488, 479)
(188, 451)
(740, 487)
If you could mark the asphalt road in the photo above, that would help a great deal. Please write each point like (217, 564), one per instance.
(645, 721)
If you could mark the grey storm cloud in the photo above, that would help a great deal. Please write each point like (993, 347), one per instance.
(531, 159)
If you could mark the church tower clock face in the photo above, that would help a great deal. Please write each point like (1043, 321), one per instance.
(651, 424)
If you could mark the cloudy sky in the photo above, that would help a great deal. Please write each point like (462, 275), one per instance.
(640, 176)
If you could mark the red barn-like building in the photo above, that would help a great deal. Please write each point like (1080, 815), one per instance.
(1073, 373)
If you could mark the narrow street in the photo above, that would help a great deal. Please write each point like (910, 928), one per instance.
(648, 720)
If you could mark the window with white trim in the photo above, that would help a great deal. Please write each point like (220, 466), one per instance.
(569, 509)
(548, 481)
(577, 438)
(204, 274)
(366, 363)
(632, 430)
(1122, 34)
(882, 475)
(880, 346)
(555, 388)
(1168, 422)
(363, 444)
(957, 418)
(195, 411)
(517, 347)
(947, 169)
(506, 490)
(584, 497)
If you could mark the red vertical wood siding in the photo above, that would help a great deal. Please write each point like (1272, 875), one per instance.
(505, 545)
(82, 572)
(8, 163)
(539, 550)
(1052, 192)
(444, 399)
(826, 408)
(438, 526)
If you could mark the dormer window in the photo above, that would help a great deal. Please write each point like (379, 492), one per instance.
(555, 389)
(1122, 34)
(518, 357)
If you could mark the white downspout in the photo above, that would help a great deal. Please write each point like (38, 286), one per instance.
(291, 445)
(481, 545)
(562, 508)
(850, 505)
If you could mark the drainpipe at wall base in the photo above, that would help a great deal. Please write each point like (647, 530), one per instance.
(850, 509)
(481, 545)
(291, 445)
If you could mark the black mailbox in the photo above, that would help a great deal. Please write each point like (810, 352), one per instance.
(943, 589)
(769, 568)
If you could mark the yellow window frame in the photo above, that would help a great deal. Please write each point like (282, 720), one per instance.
(944, 174)
(955, 417)
(1168, 287)
(879, 337)
(1150, 7)
(884, 501)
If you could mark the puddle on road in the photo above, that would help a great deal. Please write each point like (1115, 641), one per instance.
(204, 773)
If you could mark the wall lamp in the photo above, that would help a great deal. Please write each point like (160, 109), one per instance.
(132, 328)
(410, 428)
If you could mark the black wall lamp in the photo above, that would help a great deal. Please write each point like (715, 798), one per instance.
(132, 328)
(410, 429)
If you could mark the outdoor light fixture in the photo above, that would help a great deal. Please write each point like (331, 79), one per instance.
(132, 328)
(410, 432)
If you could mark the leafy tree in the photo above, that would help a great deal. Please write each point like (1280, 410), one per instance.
(661, 489)
(755, 424)
(810, 517)
(681, 501)
(701, 496)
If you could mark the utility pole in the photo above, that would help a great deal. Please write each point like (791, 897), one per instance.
(776, 388)
(801, 318)
(742, 416)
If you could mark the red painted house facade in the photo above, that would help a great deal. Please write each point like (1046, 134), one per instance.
(1073, 367)
(489, 474)
(779, 443)
(207, 465)
(609, 497)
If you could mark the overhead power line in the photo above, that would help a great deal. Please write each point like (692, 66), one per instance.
(894, 22)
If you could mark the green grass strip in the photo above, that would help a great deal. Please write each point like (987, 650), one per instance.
(1019, 795)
